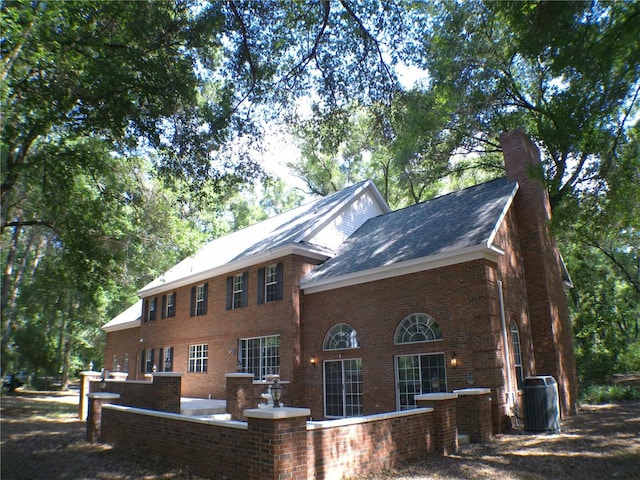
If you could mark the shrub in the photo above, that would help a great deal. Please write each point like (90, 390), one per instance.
(596, 394)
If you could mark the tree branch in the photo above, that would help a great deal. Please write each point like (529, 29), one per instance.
(366, 33)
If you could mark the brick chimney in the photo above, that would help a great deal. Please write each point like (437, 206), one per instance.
(543, 268)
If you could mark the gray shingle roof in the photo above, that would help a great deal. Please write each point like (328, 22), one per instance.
(285, 230)
(444, 224)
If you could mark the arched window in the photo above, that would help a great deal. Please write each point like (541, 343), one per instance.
(339, 337)
(417, 327)
(125, 367)
(517, 353)
(115, 366)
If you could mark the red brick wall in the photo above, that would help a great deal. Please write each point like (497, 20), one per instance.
(162, 394)
(362, 448)
(214, 451)
(120, 343)
(473, 414)
(461, 298)
(221, 329)
(270, 448)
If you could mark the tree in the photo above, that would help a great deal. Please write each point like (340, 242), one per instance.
(119, 227)
(86, 86)
(89, 87)
(601, 246)
(565, 72)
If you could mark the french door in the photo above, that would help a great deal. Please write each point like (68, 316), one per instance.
(416, 374)
(343, 388)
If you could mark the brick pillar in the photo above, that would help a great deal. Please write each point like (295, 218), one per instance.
(85, 377)
(94, 419)
(240, 396)
(473, 413)
(444, 420)
(166, 391)
(277, 443)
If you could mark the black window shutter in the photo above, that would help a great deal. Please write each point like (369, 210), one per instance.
(261, 285)
(245, 289)
(145, 309)
(152, 358)
(206, 298)
(175, 304)
(192, 310)
(229, 293)
(279, 273)
(143, 361)
(164, 306)
(161, 360)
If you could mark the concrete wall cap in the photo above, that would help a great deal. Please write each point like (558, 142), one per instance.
(341, 422)
(166, 374)
(277, 413)
(472, 391)
(104, 395)
(238, 375)
(437, 396)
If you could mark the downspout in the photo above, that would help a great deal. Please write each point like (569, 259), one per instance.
(507, 356)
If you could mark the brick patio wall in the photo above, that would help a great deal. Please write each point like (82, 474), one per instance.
(216, 450)
(161, 393)
(279, 443)
(473, 413)
(273, 444)
(349, 447)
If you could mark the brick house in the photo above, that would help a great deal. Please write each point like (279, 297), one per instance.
(361, 308)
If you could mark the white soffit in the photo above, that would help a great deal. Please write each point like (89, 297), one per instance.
(130, 318)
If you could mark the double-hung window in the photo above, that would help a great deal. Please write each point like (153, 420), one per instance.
(147, 360)
(169, 305)
(517, 354)
(152, 308)
(237, 291)
(199, 295)
(166, 359)
(270, 283)
(198, 358)
(149, 309)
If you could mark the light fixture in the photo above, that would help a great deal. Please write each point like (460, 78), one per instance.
(276, 392)
(454, 361)
(435, 383)
(313, 361)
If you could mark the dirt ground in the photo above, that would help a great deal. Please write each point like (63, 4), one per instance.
(42, 438)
